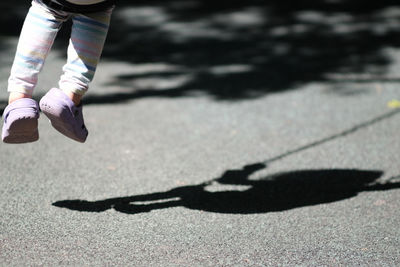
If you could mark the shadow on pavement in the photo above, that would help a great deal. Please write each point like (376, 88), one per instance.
(278, 192)
(235, 50)
(246, 49)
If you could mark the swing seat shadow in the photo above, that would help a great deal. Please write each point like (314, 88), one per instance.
(278, 192)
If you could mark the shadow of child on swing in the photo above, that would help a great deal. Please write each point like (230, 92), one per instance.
(277, 192)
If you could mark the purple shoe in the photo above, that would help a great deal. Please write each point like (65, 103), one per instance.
(64, 116)
(21, 122)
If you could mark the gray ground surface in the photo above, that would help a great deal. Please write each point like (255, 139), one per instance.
(301, 172)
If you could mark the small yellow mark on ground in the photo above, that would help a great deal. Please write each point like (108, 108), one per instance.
(394, 103)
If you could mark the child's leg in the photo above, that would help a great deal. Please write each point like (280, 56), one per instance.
(36, 39)
(88, 35)
(37, 36)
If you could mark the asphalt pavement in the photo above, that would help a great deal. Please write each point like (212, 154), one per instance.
(230, 138)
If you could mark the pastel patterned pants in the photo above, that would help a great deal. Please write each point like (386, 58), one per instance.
(88, 34)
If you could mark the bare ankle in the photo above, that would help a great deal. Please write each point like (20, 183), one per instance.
(15, 96)
(74, 97)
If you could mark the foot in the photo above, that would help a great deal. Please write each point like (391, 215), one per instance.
(21, 121)
(64, 115)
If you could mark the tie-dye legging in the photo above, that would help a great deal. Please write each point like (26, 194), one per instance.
(40, 28)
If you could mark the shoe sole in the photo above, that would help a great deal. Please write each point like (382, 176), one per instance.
(22, 130)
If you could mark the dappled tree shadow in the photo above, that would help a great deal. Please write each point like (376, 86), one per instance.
(246, 49)
(12, 17)
(235, 50)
